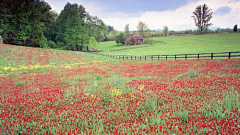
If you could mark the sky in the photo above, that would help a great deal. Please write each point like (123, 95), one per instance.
(176, 14)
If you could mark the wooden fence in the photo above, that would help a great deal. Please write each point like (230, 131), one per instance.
(175, 57)
(131, 48)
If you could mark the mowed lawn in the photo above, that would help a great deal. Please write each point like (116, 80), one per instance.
(181, 45)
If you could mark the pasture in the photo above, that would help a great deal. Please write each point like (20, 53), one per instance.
(180, 45)
(44, 91)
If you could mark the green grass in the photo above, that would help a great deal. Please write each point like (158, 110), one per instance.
(181, 45)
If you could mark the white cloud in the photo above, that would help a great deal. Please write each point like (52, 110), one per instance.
(179, 19)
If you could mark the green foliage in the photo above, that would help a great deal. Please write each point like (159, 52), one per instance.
(18, 83)
(31, 23)
(71, 28)
(143, 29)
(1, 40)
(120, 38)
(165, 31)
(180, 76)
(192, 74)
(52, 44)
(112, 35)
(150, 41)
(93, 44)
(24, 22)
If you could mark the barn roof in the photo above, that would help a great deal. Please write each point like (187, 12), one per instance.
(138, 37)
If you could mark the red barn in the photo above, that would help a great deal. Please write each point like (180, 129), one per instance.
(134, 40)
(138, 39)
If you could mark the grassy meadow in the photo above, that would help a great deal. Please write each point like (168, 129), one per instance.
(180, 45)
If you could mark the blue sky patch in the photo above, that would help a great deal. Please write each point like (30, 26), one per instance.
(222, 10)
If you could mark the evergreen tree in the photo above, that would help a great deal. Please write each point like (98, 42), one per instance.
(235, 28)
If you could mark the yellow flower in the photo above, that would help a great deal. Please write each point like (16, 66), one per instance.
(93, 96)
(141, 87)
(207, 77)
(116, 92)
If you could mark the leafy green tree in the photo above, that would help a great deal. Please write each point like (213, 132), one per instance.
(23, 22)
(202, 17)
(165, 31)
(71, 28)
(112, 35)
(51, 27)
(96, 27)
(143, 29)
(93, 44)
(120, 38)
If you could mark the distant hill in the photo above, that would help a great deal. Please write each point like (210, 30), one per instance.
(159, 29)
(214, 28)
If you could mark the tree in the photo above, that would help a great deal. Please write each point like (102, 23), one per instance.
(71, 28)
(120, 38)
(143, 29)
(23, 22)
(126, 30)
(93, 44)
(112, 35)
(202, 17)
(96, 27)
(1, 40)
(110, 28)
(235, 28)
(165, 31)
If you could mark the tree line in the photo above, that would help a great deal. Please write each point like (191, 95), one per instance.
(33, 23)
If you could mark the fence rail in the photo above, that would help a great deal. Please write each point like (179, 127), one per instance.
(228, 55)
(131, 48)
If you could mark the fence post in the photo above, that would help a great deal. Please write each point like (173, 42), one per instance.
(135, 57)
(198, 56)
(185, 56)
(152, 57)
(175, 57)
(211, 55)
(140, 57)
(166, 57)
(145, 57)
(229, 55)
(158, 57)
(131, 57)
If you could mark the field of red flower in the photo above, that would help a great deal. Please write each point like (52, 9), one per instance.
(58, 92)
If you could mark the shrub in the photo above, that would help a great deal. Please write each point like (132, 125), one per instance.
(150, 41)
(52, 44)
(120, 38)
